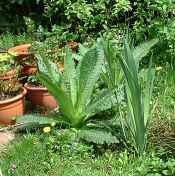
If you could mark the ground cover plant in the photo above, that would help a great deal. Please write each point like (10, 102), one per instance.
(59, 155)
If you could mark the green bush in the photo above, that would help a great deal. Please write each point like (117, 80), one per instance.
(84, 19)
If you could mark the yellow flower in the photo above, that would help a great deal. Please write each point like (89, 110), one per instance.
(46, 129)
(158, 68)
(53, 124)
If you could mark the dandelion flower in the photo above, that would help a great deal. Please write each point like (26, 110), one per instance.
(46, 129)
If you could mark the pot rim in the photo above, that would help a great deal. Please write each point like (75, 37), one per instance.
(19, 47)
(17, 97)
(25, 45)
(29, 87)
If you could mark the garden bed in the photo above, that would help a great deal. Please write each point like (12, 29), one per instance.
(93, 105)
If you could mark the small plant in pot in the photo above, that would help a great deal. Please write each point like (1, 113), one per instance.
(12, 96)
(29, 67)
(8, 66)
(37, 94)
(21, 51)
(26, 59)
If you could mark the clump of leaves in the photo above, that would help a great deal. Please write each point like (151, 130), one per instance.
(7, 62)
(124, 66)
(9, 88)
(74, 89)
(34, 81)
(138, 102)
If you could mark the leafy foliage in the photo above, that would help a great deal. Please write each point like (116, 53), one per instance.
(143, 49)
(138, 105)
(73, 89)
(97, 136)
(9, 88)
(77, 20)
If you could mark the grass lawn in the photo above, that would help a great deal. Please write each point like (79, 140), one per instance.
(41, 155)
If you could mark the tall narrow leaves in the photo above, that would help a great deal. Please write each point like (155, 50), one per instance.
(112, 73)
(138, 106)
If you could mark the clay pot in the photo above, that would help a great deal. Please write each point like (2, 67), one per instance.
(11, 108)
(8, 75)
(28, 70)
(21, 51)
(40, 96)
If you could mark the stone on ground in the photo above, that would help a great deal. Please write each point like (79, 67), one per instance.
(5, 138)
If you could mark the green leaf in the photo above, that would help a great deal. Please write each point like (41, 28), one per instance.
(143, 49)
(105, 100)
(35, 119)
(97, 136)
(70, 79)
(148, 93)
(48, 68)
(90, 70)
(60, 95)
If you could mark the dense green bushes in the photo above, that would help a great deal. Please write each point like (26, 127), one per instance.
(144, 19)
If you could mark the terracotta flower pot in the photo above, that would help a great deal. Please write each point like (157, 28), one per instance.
(22, 51)
(28, 70)
(8, 75)
(11, 108)
(40, 96)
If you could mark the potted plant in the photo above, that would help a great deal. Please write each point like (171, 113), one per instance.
(37, 94)
(8, 66)
(25, 58)
(12, 96)
(22, 51)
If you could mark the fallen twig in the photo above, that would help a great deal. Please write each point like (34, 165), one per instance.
(12, 127)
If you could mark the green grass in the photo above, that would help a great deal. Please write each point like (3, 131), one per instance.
(33, 155)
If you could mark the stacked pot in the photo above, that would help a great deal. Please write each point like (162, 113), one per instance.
(13, 107)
